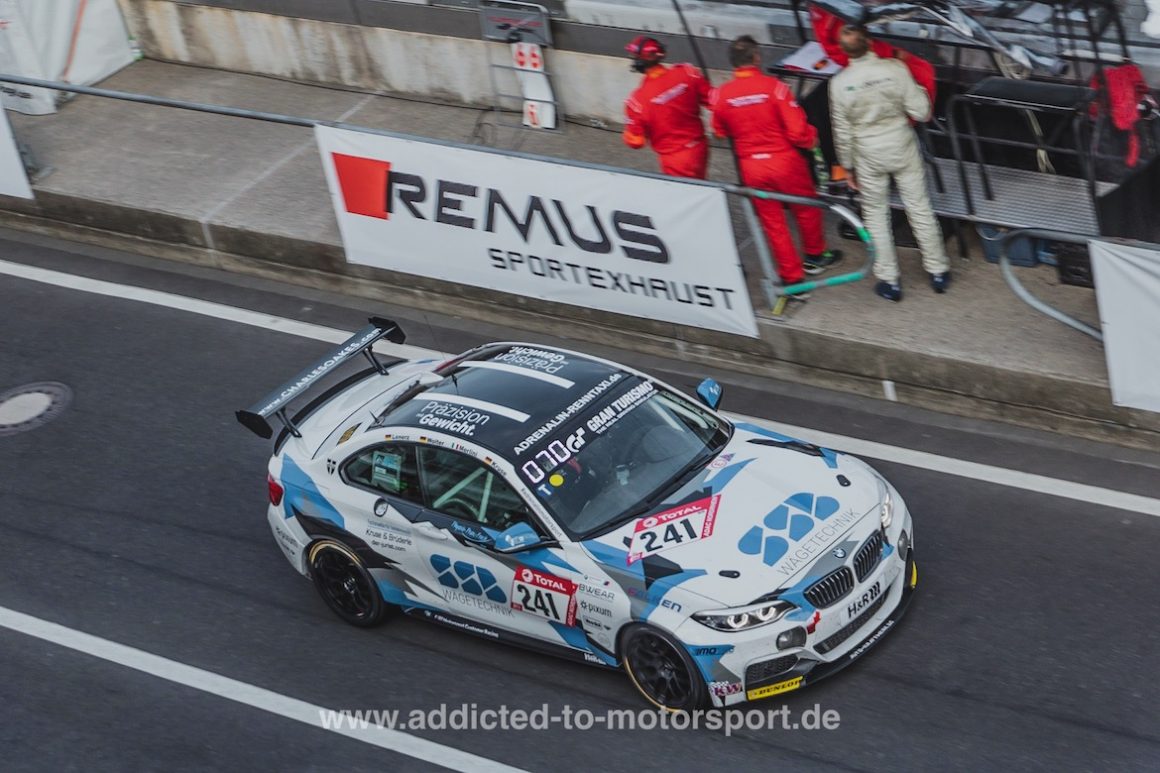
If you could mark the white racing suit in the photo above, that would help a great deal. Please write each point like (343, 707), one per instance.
(870, 104)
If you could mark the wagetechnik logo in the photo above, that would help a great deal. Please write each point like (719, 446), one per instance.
(792, 520)
(471, 579)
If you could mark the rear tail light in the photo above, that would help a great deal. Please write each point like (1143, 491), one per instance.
(276, 491)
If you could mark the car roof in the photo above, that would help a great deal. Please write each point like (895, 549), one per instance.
(510, 397)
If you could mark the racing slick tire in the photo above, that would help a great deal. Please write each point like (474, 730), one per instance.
(662, 669)
(345, 585)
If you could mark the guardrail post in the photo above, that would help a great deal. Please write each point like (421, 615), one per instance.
(1024, 294)
(837, 209)
(770, 281)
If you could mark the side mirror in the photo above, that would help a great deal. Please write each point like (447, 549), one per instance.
(710, 392)
(516, 538)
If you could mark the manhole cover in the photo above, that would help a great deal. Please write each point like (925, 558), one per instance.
(27, 407)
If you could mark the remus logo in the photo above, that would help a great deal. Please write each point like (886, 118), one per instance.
(371, 188)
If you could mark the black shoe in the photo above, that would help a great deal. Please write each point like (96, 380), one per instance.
(891, 292)
(940, 282)
(816, 264)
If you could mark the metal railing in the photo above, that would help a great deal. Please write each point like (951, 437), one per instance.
(771, 284)
(1027, 297)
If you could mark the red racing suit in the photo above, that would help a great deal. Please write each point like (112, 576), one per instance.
(769, 129)
(666, 111)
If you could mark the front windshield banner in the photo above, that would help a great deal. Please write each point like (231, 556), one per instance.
(618, 454)
(560, 450)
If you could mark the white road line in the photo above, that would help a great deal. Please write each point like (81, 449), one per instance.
(205, 308)
(1041, 484)
(246, 694)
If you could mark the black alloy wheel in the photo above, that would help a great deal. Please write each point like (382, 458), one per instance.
(345, 584)
(662, 670)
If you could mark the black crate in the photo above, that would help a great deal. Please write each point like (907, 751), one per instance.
(1074, 265)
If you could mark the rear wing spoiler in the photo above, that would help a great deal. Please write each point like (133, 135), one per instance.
(256, 418)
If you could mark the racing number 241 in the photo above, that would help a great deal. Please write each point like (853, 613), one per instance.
(670, 534)
(538, 600)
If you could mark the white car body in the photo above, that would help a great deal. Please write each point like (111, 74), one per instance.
(765, 516)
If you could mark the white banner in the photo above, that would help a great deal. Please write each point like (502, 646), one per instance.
(19, 55)
(1128, 292)
(75, 41)
(13, 180)
(656, 249)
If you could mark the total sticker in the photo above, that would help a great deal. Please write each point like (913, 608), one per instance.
(544, 595)
(690, 522)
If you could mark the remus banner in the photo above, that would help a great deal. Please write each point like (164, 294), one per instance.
(649, 248)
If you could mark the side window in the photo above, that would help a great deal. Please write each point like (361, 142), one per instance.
(463, 487)
(390, 469)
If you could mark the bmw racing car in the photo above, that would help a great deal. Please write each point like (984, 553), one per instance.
(565, 503)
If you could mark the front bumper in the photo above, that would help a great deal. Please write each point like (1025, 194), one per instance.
(752, 666)
(910, 580)
(868, 634)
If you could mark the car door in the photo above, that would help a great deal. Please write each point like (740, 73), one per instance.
(468, 504)
(377, 490)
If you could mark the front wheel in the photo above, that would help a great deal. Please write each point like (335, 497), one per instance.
(662, 670)
(345, 584)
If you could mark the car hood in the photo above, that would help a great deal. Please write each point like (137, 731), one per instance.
(765, 515)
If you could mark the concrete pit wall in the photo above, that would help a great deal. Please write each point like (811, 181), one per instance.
(590, 87)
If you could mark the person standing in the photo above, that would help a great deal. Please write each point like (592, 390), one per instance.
(872, 102)
(769, 132)
(666, 111)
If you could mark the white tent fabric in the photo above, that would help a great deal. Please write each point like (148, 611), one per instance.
(13, 180)
(78, 41)
(1128, 292)
(1151, 25)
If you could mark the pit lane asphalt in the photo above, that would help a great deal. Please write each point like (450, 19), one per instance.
(138, 516)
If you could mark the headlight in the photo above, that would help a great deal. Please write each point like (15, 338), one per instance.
(745, 618)
(886, 509)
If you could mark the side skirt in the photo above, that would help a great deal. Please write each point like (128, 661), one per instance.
(485, 631)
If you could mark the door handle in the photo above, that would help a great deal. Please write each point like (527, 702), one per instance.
(431, 531)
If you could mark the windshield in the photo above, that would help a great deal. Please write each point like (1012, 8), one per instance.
(623, 456)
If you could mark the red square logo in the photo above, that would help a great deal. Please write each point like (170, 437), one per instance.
(363, 182)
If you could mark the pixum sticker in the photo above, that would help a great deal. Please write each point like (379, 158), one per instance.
(679, 526)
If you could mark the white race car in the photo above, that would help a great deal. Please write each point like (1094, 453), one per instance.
(566, 503)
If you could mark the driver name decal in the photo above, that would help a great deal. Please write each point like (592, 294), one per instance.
(681, 525)
(544, 595)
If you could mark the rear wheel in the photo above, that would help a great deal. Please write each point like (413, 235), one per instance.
(662, 670)
(345, 584)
